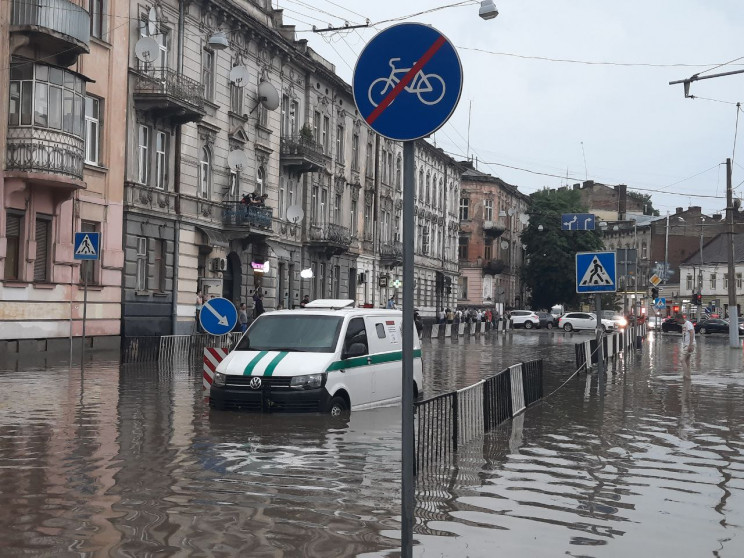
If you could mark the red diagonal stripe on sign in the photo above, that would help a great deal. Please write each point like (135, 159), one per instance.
(406, 79)
(208, 378)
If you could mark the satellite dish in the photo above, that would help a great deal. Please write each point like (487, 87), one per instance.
(239, 75)
(237, 160)
(152, 21)
(268, 96)
(306, 273)
(510, 211)
(295, 213)
(146, 50)
(524, 218)
(504, 245)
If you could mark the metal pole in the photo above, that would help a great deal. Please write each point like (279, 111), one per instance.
(600, 352)
(699, 278)
(733, 311)
(407, 457)
(666, 251)
(85, 315)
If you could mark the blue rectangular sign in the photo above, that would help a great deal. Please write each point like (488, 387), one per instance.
(577, 222)
(87, 245)
(595, 272)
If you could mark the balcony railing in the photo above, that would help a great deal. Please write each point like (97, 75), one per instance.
(166, 90)
(391, 253)
(303, 153)
(494, 267)
(331, 236)
(32, 149)
(63, 18)
(239, 214)
(493, 229)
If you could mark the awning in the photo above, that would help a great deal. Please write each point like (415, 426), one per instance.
(213, 237)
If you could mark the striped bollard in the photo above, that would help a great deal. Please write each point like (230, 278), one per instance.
(212, 357)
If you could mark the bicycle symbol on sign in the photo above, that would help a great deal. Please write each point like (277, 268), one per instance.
(429, 88)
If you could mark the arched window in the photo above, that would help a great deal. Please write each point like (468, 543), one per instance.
(205, 172)
(260, 174)
(441, 193)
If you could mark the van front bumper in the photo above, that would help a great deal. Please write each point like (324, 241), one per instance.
(268, 400)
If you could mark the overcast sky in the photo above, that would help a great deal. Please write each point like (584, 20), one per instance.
(535, 114)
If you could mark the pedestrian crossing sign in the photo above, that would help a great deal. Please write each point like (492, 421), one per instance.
(595, 272)
(87, 245)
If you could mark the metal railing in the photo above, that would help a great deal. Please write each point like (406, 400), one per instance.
(170, 348)
(331, 233)
(60, 16)
(236, 213)
(391, 250)
(165, 81)
(306, 148)
(36, 149)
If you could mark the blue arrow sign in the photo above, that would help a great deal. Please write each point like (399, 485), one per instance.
(577, 222)
(218, 316)
(87, 246)
(595, 272)
(407, 81)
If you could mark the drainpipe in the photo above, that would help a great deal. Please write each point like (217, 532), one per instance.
(177, 179)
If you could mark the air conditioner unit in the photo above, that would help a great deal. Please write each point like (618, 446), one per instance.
(219, 264)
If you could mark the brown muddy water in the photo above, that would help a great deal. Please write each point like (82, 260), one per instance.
(129, 461)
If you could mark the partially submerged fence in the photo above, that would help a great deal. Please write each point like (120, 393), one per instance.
(612, 345)
(447, 422)
(169, 348)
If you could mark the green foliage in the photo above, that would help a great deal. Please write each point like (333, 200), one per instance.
(550, 269)
(645, 199)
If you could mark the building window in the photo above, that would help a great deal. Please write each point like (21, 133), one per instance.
(294, 110)
(368, 220)
(488, 210)
(398, 172)
(462, 248)
(425, 243)
(290, 193)
(234, 184)
(463, 287)
(644, 250)
(43, 252)
(316, 126)
(158, 267)
(488, 250)
(161, 160)
(355, 152)
(323, 204)
(340, 144)
(336, 279)
(260, 179)
(713, 281)
(236, 99)
(141, 268)
(93, 127)
(337, 210)
(13, 228)
(326, 134)
(369, 160)
(738, 281)
(464, 209)
(390, 167)
(161, 37)
(208, 73)
(95, 9)
(383, 170)
(420, 186)
(263, 115)
(353, 223)
(725, 281)
(205, 172)
(281, 198)
(428, 188)
(285, 116)
(143, 154)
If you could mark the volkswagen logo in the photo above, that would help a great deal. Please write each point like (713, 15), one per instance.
(255, 382)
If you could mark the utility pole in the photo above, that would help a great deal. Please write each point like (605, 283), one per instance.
(732, 309)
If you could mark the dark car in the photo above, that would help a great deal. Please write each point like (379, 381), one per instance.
(670, 324)
(547, 320)
(715, 325)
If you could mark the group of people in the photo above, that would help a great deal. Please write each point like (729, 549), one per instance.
(254, 199)
(467, 315)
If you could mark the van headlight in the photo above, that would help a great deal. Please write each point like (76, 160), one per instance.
(219, 379)
(310, 381)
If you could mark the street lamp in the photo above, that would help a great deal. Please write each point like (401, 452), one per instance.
(218, 40)
(488, 10)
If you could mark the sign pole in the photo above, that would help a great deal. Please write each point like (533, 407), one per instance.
(85, 315)
(407, 456)
(600, 348)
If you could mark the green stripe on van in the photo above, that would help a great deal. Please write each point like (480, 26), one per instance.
(272, 365)
(252, 364)
(369, 360)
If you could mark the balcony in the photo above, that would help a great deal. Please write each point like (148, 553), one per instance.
(59, 155)
(173, 96)
(494, 267)
(240, 215)
(331, 238)
(53, 26)
(492, 229)
(391, 253)
(302, 154)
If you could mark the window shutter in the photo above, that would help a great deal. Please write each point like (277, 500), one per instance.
(42, 250)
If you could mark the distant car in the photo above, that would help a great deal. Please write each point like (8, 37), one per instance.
(619, 320)
(582, 320)
(715, 325)
(547, 320)
(525, 318)
(670, 325)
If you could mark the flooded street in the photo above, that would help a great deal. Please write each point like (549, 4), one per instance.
(129, 461)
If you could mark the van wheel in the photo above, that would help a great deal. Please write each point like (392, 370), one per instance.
(568, 327)
(337, 407)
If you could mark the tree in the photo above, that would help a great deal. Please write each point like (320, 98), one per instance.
(645, 199)
(550, 267)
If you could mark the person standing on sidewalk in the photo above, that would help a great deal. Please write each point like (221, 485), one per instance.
(688, 337)
(243, 317)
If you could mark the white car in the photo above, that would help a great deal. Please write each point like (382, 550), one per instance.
(328, 357)
(582, 320)
(525, 318)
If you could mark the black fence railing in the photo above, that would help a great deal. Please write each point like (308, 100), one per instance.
(237, 213)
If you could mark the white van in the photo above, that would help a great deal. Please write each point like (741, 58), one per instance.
(326, 357)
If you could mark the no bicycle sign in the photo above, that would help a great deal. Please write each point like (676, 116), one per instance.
(407, 81)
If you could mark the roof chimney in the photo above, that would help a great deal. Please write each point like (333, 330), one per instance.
(622, 202)
(679, 210)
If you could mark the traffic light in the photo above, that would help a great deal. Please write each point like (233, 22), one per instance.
(697, 299)
(654, 293)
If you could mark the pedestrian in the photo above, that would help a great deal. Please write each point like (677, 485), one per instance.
(418, 322)
(199, 306)
(304, 301)
(458, 315)
(441, 316)
(688, 337)
(259, 307)
(450, 316)
(391, 303)
(243, 317)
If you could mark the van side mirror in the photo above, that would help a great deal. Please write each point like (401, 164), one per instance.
(356, 350)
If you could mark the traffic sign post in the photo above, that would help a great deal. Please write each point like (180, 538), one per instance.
(406, 85)
(577, 222)
(86, 246)
(218, 316)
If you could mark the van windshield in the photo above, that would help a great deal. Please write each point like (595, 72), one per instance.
(302, 333)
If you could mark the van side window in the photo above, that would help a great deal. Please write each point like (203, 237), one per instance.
(380, 331)
(356, 333)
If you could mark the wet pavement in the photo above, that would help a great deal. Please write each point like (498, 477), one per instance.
(129, 461)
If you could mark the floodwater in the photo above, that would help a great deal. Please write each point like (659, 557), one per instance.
(129, 461)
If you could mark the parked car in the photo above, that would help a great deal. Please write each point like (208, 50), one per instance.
(582, 320)
(715, 325)
(670, 325)
(547, 320)
(525, 318)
